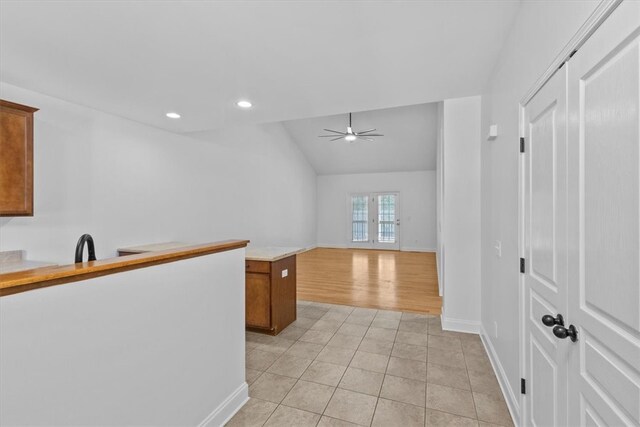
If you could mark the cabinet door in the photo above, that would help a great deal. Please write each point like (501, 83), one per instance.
(16, 159)
(258, 300)
(283, 293)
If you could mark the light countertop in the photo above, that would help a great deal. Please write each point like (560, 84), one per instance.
(13, 261)
(154, 247)
(270, 253)
(265, 253)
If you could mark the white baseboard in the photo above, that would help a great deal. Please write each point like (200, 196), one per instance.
(410, 249)
(459, 325)
(402, 249)
(507, 391)
(227, 409)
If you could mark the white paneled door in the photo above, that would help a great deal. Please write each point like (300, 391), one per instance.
(604, 230)
(581, 234)
(544, 264)
(374, 220)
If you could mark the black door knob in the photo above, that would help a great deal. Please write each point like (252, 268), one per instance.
(564, 333)
(550, 321)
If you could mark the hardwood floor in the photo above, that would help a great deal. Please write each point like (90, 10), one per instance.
(390, 280)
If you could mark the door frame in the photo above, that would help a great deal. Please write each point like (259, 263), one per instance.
(369, 244)
(599, 15)
(522, 321)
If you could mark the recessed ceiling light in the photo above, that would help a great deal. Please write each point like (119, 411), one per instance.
(173, 115)
(244, 104)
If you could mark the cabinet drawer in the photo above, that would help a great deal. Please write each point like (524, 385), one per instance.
(258, 266)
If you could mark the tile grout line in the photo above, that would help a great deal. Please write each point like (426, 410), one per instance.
(313, 360)
(339, 381)
(297, 380)
(345, 369)
(383, 379)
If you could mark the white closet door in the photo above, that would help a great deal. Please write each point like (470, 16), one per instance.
(545, 229)
(604, 231)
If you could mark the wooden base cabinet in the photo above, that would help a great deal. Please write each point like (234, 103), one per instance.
(270, 294)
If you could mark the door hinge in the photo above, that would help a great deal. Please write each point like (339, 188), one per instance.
(523, 386)
(521, 265)
(522, 144)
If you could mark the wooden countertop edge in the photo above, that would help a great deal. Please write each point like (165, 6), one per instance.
(12, 283)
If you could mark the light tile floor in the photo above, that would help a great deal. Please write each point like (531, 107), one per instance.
(345, 366)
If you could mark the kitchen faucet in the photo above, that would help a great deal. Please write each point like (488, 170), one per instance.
(85, 238)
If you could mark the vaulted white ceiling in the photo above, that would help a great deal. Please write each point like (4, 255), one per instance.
(408, 144)
(141, 59)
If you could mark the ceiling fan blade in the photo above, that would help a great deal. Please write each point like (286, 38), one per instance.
(368, 139)
(334, 131)
(327, 136)
(366, 131)
(370, 134)
(335, 139)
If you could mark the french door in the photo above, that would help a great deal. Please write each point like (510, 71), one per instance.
(581, 234)
(374, 220)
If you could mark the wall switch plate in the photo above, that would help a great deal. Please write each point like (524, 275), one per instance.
(285, 272)
(493, 132)
(498, 248)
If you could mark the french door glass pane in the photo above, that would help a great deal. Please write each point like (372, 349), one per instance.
(360, 218)
(386, 218)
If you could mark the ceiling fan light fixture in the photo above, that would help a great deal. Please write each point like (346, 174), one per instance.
(350, 135)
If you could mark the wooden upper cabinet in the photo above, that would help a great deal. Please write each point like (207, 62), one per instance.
(16, 159)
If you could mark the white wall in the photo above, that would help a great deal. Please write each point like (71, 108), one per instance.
(417, 206)
(461, 214)
(131, 348)
(128, 184)
(539, 33)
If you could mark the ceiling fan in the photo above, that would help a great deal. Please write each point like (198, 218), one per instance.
(350, 135)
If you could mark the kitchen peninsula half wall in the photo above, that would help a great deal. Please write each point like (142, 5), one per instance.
(130, 340)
